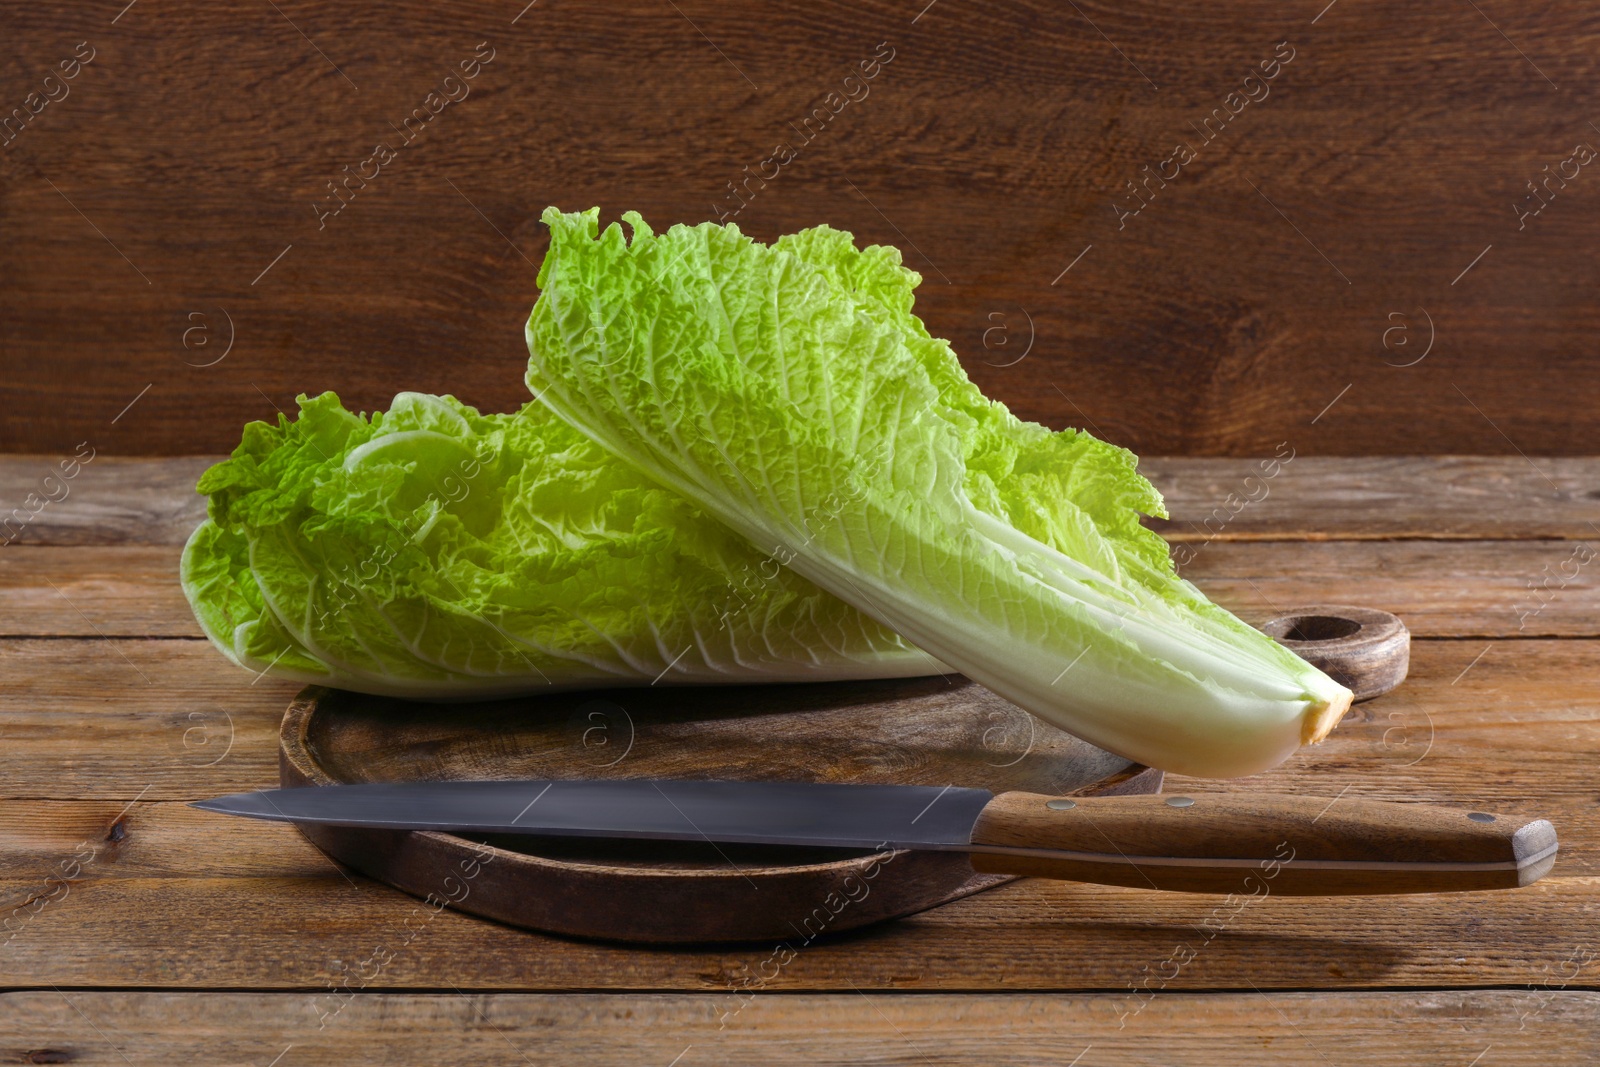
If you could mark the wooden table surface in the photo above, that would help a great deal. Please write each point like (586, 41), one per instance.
(137, 930)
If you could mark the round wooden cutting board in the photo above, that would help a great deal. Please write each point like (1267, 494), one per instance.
(922, 731)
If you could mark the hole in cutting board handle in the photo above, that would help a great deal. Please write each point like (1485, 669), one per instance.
(1366, 650)
(1318, 628)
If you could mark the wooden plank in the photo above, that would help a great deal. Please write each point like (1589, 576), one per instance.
(105, 719)
(82, 722)
(110, 719)
(1440, 588)
(165, 895)
(152, 501)
(993, 149)
(303, 933)
(93, 591)
(111, 500)
(1317, 498)
(1524, 1028)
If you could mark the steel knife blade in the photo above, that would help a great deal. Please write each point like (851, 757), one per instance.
(767, 813)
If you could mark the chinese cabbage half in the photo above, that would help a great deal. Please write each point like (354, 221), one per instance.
(791, 393)
(434, 552)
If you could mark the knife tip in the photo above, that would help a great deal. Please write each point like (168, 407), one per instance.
(247, 804)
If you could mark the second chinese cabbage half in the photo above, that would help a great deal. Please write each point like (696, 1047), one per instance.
(790, 392)
(432, 552)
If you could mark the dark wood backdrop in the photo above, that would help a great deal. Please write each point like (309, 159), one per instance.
(1364, 208)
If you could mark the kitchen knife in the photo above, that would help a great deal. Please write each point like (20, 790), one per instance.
(1211, 842)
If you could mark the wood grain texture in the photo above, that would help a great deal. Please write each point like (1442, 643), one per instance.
(1318, 499)
(178, 179)
(93, 591)
(111, 718)
(81, 721)
(112, 500)
(1525, 1028)
(1439, 588)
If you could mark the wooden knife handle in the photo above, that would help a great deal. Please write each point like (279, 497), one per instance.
(1258, 843)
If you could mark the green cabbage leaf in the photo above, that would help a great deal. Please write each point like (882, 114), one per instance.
(433, 552)
(790, 392)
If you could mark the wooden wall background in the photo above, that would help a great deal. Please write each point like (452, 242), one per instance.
(169, 194)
